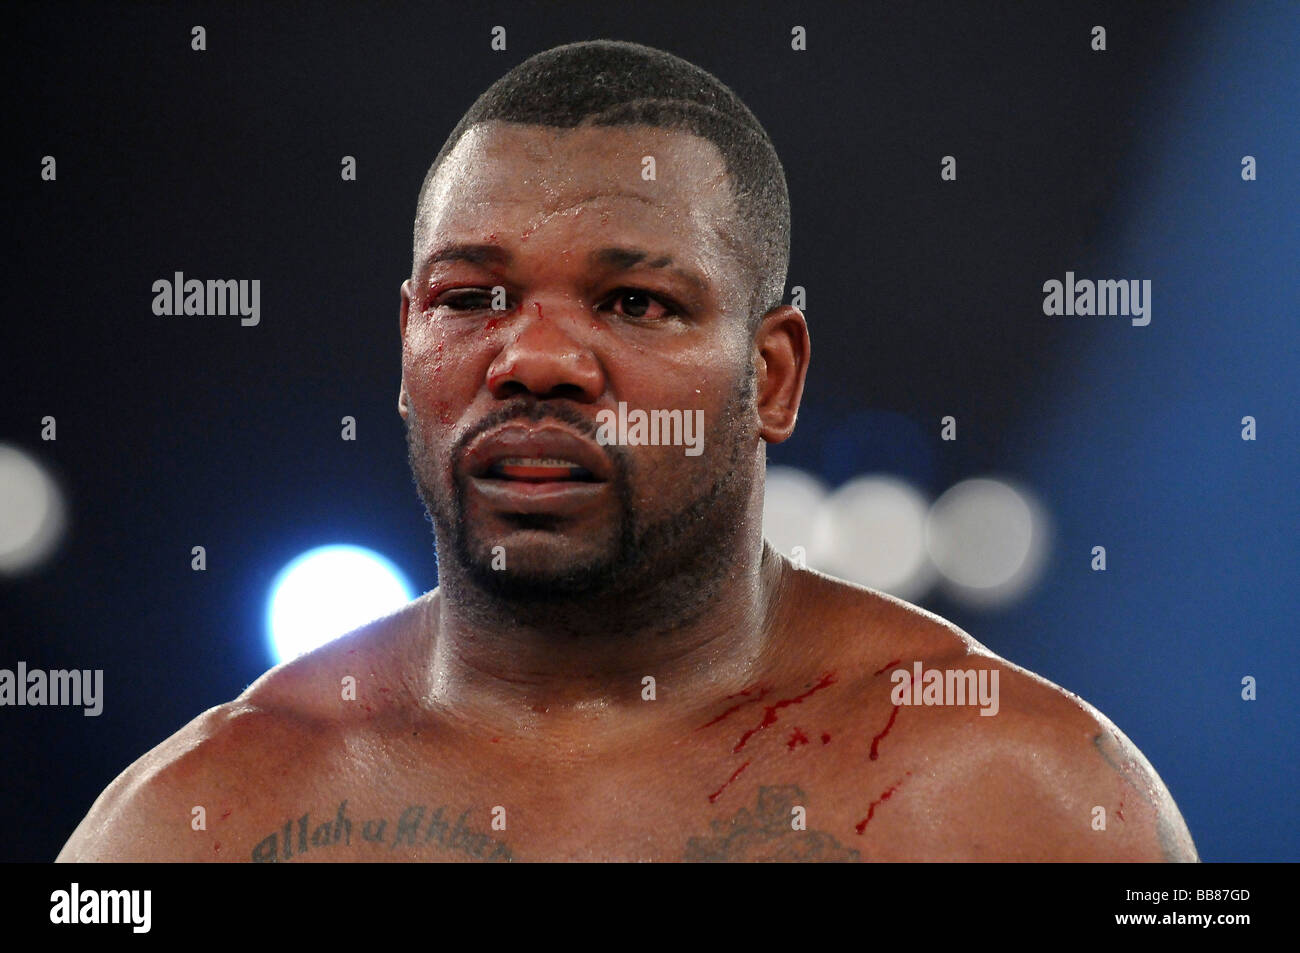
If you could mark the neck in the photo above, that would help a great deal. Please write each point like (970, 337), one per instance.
(583, 661)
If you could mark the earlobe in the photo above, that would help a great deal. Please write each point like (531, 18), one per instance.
(783, 350)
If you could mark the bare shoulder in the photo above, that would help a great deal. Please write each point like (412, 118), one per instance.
(212, 783)
(171, 804)
(1027, 769)
(354, 676)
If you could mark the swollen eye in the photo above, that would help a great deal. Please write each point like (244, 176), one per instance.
(474, 301)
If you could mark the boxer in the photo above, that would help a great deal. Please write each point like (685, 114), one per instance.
(615, 665)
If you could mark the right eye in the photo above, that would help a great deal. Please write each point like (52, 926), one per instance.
(473, 299)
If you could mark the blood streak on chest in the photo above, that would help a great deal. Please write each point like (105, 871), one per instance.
(886, 667)
(797, 738)
(885, 796)
(735, 774)
(769, 713)
(875, 742)
(762, 692)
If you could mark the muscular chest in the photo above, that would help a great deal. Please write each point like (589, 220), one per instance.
(748, 782)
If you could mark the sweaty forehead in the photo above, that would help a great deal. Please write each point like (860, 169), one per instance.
(505, 175)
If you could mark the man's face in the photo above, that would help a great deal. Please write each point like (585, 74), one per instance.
(617, 288)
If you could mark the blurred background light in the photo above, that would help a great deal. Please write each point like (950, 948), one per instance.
(327, 592)
(790, 505)
(31, 512)
(985, 540)
(987, 537)
(872, 531)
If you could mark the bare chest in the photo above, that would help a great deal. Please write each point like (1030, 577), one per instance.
(755, 780)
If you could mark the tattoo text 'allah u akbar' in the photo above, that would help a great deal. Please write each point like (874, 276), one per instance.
(415, 827)
(766, 834)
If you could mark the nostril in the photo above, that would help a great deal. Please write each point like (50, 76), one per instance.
(565, 392)
(506, 388)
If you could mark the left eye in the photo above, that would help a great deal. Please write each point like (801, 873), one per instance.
(639, 304)
(470, 300)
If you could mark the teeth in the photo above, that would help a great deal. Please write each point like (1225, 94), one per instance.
(538, 469)
(536, 462)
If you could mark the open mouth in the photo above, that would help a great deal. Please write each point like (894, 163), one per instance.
(529, 468)
(539, 470)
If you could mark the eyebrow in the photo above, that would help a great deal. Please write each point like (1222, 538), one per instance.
(612, 257)
(625, 258)
(474, 254)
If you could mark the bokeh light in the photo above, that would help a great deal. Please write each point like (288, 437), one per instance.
(32, 512)
(327, 592)
(987, 537)
(872, 531)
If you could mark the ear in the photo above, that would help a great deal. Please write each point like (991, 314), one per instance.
(405, 309)
(781, 354)
(403, 313)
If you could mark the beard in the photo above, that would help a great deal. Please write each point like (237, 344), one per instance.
(664, 563)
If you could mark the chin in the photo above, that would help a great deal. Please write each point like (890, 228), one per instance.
(551, 584)
(532, 565)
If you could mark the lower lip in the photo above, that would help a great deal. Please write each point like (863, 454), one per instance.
(550, 496)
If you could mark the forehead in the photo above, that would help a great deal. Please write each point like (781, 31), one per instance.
(513, 177)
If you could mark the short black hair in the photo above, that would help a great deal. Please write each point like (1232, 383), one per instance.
(617, 83)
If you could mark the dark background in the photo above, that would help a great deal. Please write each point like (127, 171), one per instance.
(924, 299)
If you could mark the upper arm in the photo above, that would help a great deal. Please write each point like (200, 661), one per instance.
(149, 812)
(1047, 777)
(128, 821)
(1153, 828)
(1040, 776)
(1092, 796)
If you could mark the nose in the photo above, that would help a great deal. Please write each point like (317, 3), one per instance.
(544, 360)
